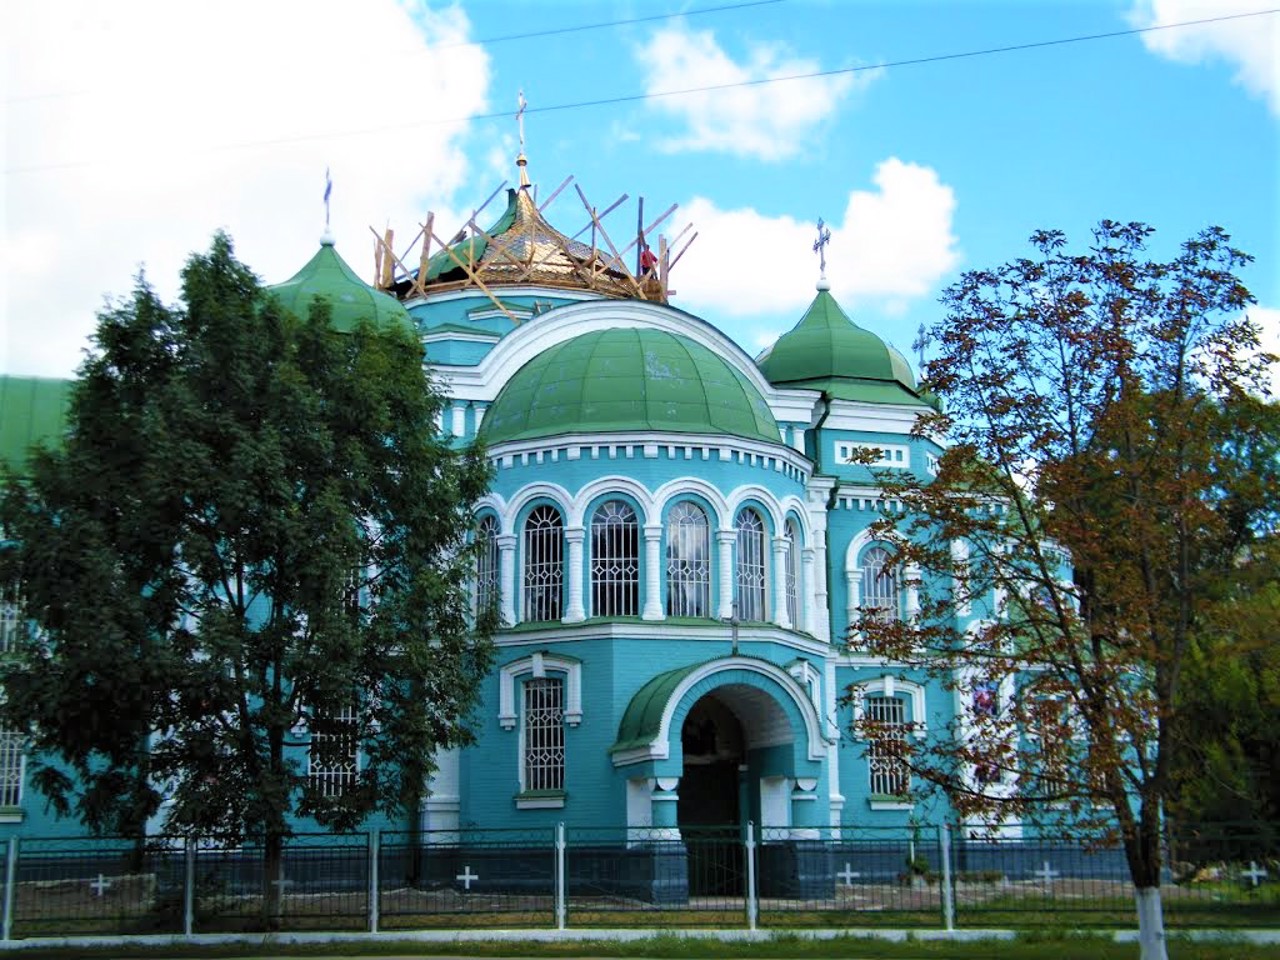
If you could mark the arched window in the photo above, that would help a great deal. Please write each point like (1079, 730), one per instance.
(543, 564)
(688, 561)
(793, 574)
(487, 564)
(879, 586)
(753, 566)
(615, 561)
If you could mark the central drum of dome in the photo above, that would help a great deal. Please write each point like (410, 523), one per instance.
(624, 381)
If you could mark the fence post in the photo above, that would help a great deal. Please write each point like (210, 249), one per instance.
(188, 886)
(10, 885)
(753, 906)
(948, 890)
(562, 911)
(375, 854)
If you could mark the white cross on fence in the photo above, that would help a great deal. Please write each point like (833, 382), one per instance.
(1046, 874)
(848, 874)
(102, 885)
(1254, 873)
(466, 876)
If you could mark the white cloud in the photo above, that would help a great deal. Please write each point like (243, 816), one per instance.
(137, 128)
(894, 244)
(1251, 44)
(769, 121)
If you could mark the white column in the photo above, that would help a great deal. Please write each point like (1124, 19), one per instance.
(507, 577)
(809, 608)
(652, 572)
(781, 615)
(459, 412)
(574, 537)
(725, 540)
(854, 576)
(477, 415)
(911, 576)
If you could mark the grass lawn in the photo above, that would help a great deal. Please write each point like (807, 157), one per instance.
(670, 947)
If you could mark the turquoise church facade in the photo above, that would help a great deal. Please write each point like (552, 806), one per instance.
(677, 539)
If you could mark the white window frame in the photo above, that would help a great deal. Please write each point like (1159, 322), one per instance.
(751, 566)
(687, 575)
(549, 735)
(13, 771)
(11, 617)
(892, 456)
(883, 604)
(539, 665)
(615, 560)
(793, 574)
(335, 780)
(539, 539)
(913, 694)
(488, 563)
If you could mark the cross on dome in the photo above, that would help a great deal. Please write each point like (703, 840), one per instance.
(820, 248)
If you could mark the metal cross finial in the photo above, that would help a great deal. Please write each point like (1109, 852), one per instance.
(520, 117)
(820, 246)
(328, 189)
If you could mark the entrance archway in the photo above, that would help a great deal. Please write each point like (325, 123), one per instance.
(709, 810)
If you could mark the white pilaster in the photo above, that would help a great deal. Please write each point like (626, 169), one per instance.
(507, 578)
(652, 572)
(725, 541)
(576, 611)
(459, 419)
(809, 609)
(781, 615)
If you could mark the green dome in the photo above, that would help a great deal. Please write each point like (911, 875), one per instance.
(828, 351)
(327, 276)
(616, 381)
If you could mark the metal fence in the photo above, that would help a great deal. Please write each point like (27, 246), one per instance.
(743, 876)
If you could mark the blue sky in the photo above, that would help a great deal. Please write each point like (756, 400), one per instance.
(133, 130)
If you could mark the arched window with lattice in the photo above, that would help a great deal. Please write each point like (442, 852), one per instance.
(752, 573)
(880, 589)
(688, 561)
(543, 564)
(615, 560)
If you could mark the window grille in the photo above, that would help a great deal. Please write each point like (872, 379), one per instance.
(10, 618)
(333, 760)
(688, 561)
(793, 574)
(615, 561)
(752, 566)
(879, 586)
(487, 564)
(543, 564)
(544, 734)
(10, 767)
(886, 747)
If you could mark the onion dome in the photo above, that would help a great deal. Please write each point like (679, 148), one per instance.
(626, 381)
(522, 247)
(328, 277)
(827, 351)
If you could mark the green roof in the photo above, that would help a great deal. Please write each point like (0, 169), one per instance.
(828, 351)
(32, 410)
(628, 380)
(642, 721)
(327, 276)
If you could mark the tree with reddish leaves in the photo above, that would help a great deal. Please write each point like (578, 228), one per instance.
(1083, 521)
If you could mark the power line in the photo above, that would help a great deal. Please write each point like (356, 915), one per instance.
(638, 97)
(554, 31)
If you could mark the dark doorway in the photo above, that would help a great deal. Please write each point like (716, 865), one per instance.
(709, 808)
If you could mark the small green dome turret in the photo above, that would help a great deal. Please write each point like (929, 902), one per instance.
(327, 276)
(828, 351)
(626, 381)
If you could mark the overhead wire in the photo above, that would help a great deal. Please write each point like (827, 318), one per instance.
(710, 88)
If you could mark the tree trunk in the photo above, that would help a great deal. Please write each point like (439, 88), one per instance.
(273, 881)
(1150, 923)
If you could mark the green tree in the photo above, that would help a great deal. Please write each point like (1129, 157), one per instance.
(252, 533)
(1086, 512)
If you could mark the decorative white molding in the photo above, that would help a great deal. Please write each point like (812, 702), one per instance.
(660, 747)
(891, 686)
(539, 664)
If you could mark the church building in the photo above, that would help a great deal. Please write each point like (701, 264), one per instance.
(677, 537)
